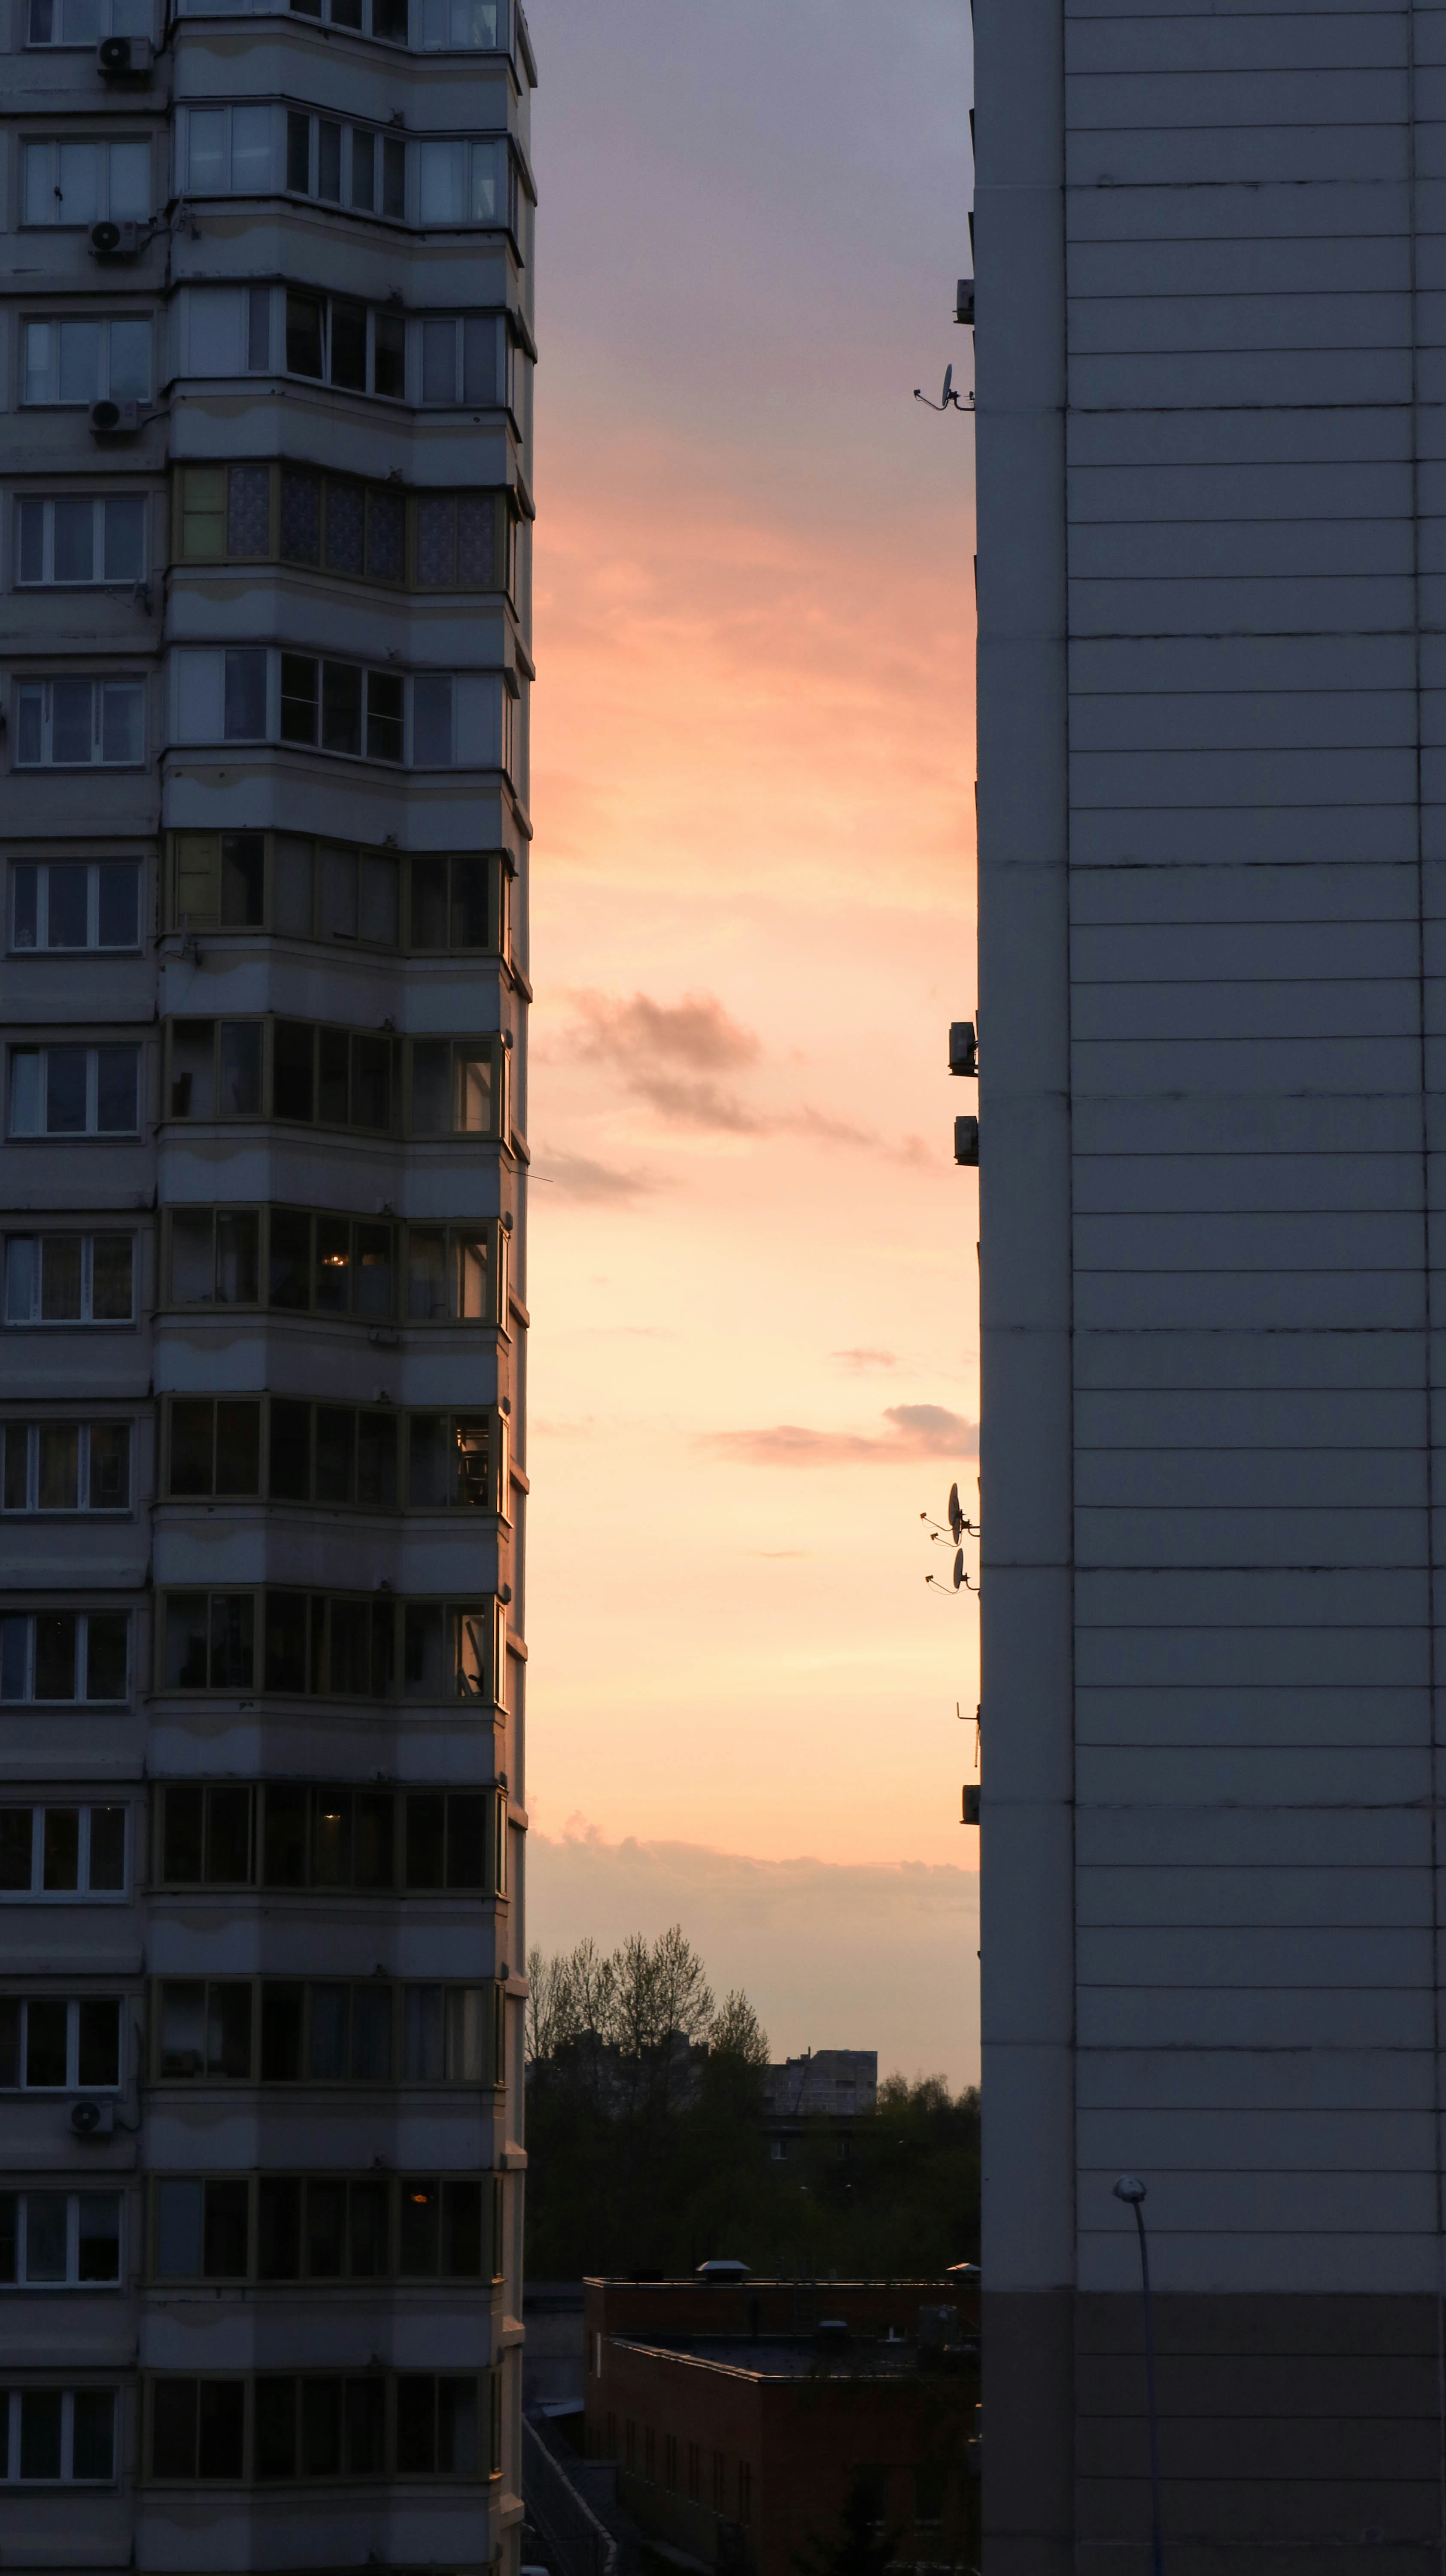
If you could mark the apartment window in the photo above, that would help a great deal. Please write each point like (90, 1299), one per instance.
(74, 182)
(80, 724)
(340, 707)
(460, 542)
(385, 19)
(74, 1091)
(84, 22)
(69, 1278)
(461, 721)
(670, 2460)
(63, 1655)
(463, 182)
(66, 1466)
(309, 2429)
(695, 2472)
(369, 1456)
(229, 151)
(276, 2030)
(297, 1261)
(228, 330)
(331, 1645)
(650, 2452)
(97, 538)
(355, 347)
(355, 166)
(62, 1851)
(60, 2240)
(461, 25)
(293, 1834)
(307, 889)
(57, 2437)
(88, 360)
(321, 2228)
(69, 904)
(55, 2044)
(464, 359)
(321, 1076)
(719, 2483)
(334, 523)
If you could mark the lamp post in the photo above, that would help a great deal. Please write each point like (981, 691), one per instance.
(1131, 2191)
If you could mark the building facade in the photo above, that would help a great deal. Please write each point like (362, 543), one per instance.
(264, 550)
(1211, 703)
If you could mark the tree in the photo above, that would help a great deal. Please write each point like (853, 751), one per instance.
(864, 2544)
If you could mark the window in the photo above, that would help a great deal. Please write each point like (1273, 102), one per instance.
(292, 1834)
(62, 1851)
(69, 1278)
(51, 2044)
(300, 1262)
(321, 1076)
(332, 523)
(386, 19)
(80, 724)
(334, 1454)
(695, 2472)
(85, 361)
(355, 166)
(248, 694)
(75, 182)
(84, 22)
(98, 538)
(275, 2030)
(308, 889)
(64, 1655)
(229, 151)
(745, 2491)
(328, 1645)
(59, 2239)
(319, 2228)
(355, 347)
(462, 182)
(68, 904)
(278, 2428)
(66, 1466)
(461, 541)
(228, 330)
(74, 1091)
(465, 359)
(57, 2437)
(461, 25)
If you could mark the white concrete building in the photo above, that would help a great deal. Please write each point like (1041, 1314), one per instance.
(264, 619)
(1211, 247)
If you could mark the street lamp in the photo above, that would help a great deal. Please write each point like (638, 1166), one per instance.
(1131, 2191)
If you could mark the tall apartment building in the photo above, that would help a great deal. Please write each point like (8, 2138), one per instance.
(1212, 699)
(265, 563)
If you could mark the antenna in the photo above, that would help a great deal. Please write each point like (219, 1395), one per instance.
(951, 400)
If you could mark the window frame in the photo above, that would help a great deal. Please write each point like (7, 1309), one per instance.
(489, 2274)
(492, 2030)
(485, 2382)
(11, 2473)
(456, 1240)
(74, 2080)
(93, 947)
(455, 1420)
(73, 2279)
(103, 143)
(474, 1625)
(81, 1696)
(37, 1321)
(108, 11)
(490, 1889)
(104, 387)
(183, 846)
(506, 516)
(82, 1893)
(100, 503)
(92, 1049)
(402, 1053)
(24, 690)
(31, 1426)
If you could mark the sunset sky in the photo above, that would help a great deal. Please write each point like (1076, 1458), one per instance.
(753, 1282)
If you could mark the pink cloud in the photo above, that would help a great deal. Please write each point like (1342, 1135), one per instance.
(918, 1431)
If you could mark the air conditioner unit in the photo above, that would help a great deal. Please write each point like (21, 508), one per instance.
(125, 58)
(963, 1048)
(964, 300)
(93, 2119)
(115, 241)
(966, 1140)
(114, 419)
(970, 1815)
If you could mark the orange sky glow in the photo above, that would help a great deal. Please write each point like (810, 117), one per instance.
(752, 1277)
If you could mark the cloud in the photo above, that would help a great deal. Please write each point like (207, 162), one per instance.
(866, 1359)
(918, 1431)
(672, 1055)
(579, 1177)
(834, 1954)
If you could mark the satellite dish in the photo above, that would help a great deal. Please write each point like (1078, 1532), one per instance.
(955, 1515)
(959, 1569)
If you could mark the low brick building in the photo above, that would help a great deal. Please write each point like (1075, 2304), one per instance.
(738, 2413)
